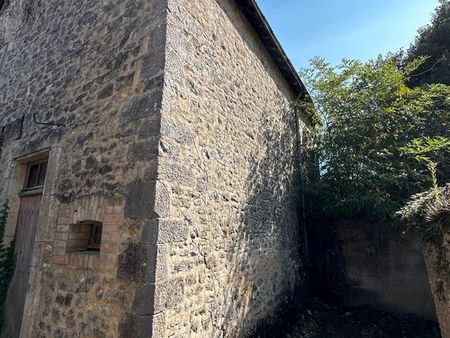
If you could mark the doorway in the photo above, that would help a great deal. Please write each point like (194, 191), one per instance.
(27, 222)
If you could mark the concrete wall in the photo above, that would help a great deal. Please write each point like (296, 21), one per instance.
(384, 270)
(179, 138)
(81, 63)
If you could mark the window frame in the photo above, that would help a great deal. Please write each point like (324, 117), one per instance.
(35, 187)
(95, 229)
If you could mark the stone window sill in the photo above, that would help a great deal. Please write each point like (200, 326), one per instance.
(85, 252)
(31, 192)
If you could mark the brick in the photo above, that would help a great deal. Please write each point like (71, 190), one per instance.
(143, 106)
(59, 259)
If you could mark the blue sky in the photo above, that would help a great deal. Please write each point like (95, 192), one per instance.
(353, 29)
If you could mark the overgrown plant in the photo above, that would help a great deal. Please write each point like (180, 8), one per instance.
(7, 261)
(369, 114)
(429, 150)
(7, 257)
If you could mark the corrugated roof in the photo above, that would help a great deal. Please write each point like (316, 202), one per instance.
(257, 19)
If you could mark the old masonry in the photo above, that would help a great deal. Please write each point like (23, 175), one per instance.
(150, 159)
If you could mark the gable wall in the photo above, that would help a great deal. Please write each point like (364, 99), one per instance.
(230, 161)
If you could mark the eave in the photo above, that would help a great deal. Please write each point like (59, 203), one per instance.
(256, 18)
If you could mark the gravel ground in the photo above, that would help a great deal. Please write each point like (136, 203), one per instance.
(319, 320)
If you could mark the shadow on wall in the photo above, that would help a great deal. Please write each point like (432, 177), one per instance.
(327, 279)
(264, 257)
(359, 263)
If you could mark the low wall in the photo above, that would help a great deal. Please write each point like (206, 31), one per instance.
(364, 264)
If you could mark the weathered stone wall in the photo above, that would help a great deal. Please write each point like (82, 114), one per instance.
(438, 267)
(179, 137)
(230, 242)
(95, 67)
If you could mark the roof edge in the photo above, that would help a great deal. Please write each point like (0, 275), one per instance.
(254, 15)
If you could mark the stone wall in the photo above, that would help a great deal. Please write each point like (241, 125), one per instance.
(175, 130)
(438, 267)
(229, 159)
(94, 68)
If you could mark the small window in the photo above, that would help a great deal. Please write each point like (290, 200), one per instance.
(36, 175)
(85, 237)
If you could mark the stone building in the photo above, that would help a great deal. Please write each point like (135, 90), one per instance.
(150, 159)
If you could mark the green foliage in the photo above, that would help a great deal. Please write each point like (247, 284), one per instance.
(7, 261)
(308, 113)
(431, 151)
(369, 115)
(433, 42)
(423, 148)
(429, 214)
(7, 257)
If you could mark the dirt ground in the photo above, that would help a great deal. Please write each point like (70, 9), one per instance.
(320, 320)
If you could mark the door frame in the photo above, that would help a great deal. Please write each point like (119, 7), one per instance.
(14, 183)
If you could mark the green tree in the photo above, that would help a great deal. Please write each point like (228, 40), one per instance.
(433, 41)
(369, 114)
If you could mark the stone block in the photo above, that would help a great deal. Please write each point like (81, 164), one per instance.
(136, 326)
(137, 263)
(142, 106)
(153, 63)
(158, 9)
(162, 200)
(13, 130)
(159, 324)
(169, 294)
(140, 199)
(144, 299)
(105, 92)
(173, 231)
(153, 83)
(59, 259)
(149, 128)
(143, 150)
(149, 234)
(165, 231)
(132, 8)
(175, 173)
(177, 132)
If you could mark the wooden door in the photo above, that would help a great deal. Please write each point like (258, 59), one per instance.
(25, 236)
